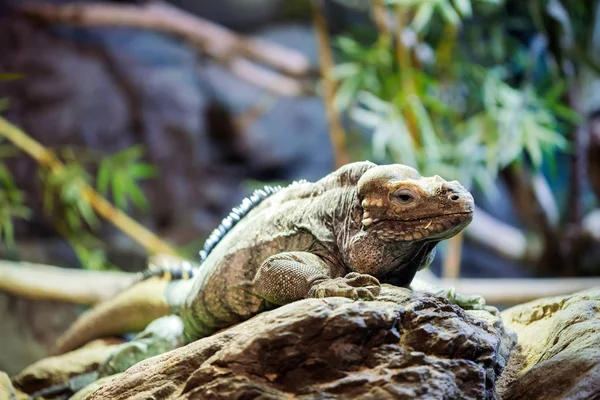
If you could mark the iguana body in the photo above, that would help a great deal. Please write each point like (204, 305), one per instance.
(339, 236)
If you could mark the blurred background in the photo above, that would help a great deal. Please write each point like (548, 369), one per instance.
(122, 118)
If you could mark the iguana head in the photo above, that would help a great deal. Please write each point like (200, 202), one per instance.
(400, 205)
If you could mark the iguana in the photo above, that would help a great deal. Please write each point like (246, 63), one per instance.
(340, 236)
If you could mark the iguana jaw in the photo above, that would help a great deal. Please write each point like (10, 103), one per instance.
(428, 228)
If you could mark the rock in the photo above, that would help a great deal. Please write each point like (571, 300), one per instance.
(559, 341)
(7, 391)
(405, 345)
(92, 387)
(58, 370)
(29, 328)
(108, 89)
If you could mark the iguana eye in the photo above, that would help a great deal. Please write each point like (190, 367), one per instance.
(404, 196)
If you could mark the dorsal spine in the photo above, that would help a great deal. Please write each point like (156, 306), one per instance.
(237, 213)
(186, 270)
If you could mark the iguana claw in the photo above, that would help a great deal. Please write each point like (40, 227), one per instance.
(353, 286)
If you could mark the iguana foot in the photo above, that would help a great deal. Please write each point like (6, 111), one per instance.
(464, 301)
(353, 286)
(162, 335)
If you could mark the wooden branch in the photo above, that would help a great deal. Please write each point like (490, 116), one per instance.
(44, 282)
(268, 79)
(517, 291)
(380, 17)
(451, 264)
(228, 48)
(336, 131)
(502, 238)
(46, 158)
(502, 291)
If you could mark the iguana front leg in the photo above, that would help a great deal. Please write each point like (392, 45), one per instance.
(290, 276)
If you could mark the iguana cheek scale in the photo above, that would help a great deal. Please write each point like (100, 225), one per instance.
(339, 236)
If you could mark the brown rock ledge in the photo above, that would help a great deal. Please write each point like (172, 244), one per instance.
(405, 345)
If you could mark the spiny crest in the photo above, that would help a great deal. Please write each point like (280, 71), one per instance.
(237, 213)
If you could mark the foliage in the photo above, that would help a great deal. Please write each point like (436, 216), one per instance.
(122, 171)
(64, 203)
(11, 205)
(461, 92)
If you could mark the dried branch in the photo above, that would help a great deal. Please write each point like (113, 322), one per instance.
(44, 282)
(512, 291)
(227, 47)
(451, 265)
(46, 158)
(336, 131)
(380, 16)
(502, 238)
(517, 291)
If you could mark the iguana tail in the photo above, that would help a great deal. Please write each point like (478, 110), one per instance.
(129, 311)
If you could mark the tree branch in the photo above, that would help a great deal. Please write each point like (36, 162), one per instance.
(502, 238)
(45, 282)
(46, 158)
(228, 48)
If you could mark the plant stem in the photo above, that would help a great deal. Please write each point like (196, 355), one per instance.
(406, 74)
(47, 159)
(244, 56)
(336, 131)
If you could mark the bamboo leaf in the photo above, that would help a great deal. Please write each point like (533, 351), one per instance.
(422, 17)
(142, 171)
(463, 7)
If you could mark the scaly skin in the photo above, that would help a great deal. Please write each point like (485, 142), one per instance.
(360, 225)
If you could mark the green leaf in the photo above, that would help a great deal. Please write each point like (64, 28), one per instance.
(346, 92)
(344, 71)
(10, 76)
(137, 197)
(142, 171)
(463, 7)
(426, 130)
(119, 189)
(422, 17)
(103, 178)
(448, 13)
(532, 146)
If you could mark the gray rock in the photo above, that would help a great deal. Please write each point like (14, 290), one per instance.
(106, 89)
(406, 345)
(29, 328)
(559, 349)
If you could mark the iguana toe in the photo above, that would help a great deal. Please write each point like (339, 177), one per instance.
(352, 286)
(361, 280)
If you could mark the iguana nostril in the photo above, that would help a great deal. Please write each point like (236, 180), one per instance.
(454, 197)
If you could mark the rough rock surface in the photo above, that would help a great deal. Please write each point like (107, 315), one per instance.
(559, 340)
(406, 345)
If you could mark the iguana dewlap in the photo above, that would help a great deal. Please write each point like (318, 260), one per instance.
(340, 236)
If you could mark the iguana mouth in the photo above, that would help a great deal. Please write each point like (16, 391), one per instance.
(369, 223)
(444, 225)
